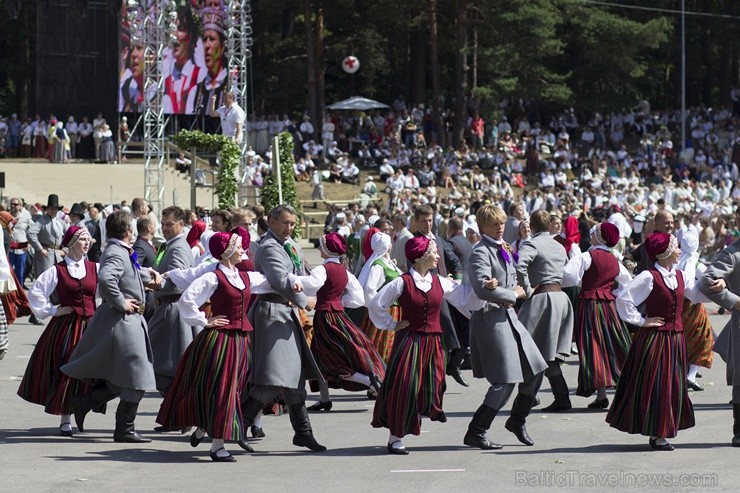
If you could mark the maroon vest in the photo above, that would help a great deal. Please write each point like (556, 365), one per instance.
(77, 293)
(329, 297)
(421, 309)
(666, 302)
(598, 279)
(232, 302)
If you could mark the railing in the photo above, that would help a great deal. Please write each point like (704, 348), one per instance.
(309, 217)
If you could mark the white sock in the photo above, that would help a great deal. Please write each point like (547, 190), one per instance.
(217, 447)
(601, 393)
(65, 423)
(395, 441)
(257, 420)
(659, 441)
(324, 392)
(359, 378)
(200, 433)
(693, 370)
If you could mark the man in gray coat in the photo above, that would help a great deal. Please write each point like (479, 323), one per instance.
(169, 335)
(45, 236)
(401, 235)
(502, 351)
(281, 358)
(725, 267)
(114, 350)
(547, 313)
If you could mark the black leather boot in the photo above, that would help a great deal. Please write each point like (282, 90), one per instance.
(250, 409)
(94, 399)
(302, 426)
(516, 422)
(454, 361)
(476, 435)
(736, 425)
(125, 416)
(561, 393)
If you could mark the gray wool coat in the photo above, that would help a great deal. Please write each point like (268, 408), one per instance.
(169, 335)
(46, 233)
(280, 356)
(501, 349)
(547, 316)
(726, 265)
(115, 345)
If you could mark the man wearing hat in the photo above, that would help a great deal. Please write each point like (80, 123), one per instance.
(282, 360)
(45, 236)
(96, 228)
(76, 214)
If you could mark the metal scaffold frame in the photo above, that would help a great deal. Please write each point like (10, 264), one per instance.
(239, 36)
(154, 121)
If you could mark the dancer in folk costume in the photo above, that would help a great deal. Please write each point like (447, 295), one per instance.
(546, 313)
(214, 370)
(114, 350)
(502, 350)
(72, 284)
(602, 338)
(415, 378)
(696, 325)
(651, 397)
(346, 357)
(5, 277)
(378, 271)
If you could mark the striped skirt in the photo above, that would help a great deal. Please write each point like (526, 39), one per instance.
(603, 343)
(381, 339)
(43, 383)
(699, 335)
(651, 397)
(210, 379)
(414, 385)
(341, 350)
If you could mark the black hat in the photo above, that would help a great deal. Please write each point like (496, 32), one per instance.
(77, 209)
(53, 201)
(99, 206)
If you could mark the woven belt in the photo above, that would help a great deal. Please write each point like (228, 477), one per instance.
(51, 247)
(547, 288)
(275, 298)
(141, 309)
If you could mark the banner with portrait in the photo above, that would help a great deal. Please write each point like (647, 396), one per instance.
(193, 64)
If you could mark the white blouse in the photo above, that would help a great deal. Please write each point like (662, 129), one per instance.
(353, 294)
(461, 296)
(46, 283)
(185, 277)
(375, 281)
(203, 287)
(637, 291)
(577, 267)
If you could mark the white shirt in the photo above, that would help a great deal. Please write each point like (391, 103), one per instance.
(577, 266)
(230, 118)
(460, 295)
(375, 280)
(45, 285)
(353, 294)
(203, 288)
(637, 291)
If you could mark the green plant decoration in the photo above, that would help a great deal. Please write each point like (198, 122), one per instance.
(269, 195)
(229, 154)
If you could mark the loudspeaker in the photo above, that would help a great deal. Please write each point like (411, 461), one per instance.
(2, 179)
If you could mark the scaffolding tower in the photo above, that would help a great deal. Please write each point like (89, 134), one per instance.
(239, 36)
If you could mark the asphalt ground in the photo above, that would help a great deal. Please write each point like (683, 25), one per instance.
(573, 451)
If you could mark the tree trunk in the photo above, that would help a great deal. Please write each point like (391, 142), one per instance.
(310, 64)
(439, 130)
(461, 72)
(417, 65)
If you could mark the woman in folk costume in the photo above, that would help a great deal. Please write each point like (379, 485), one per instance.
(346, 357)
(651, 397)
(415, 378)
(13, 296)
(193, 238)
(378, 271)
(5, 277)
(697, 329)
(602, 338)
(214, 370)
(71, 284)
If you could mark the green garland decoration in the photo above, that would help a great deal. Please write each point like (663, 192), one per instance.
(229, 155)
(269, 194)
